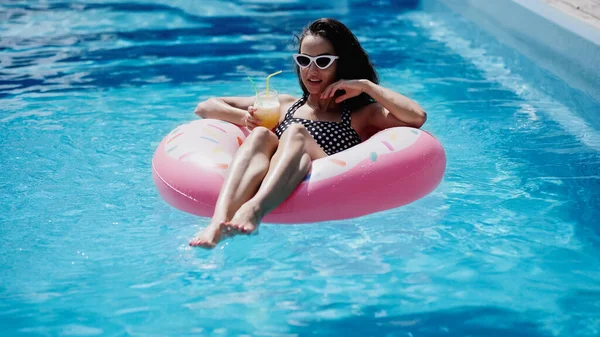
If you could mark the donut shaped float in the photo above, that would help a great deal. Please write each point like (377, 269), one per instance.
(392, 168)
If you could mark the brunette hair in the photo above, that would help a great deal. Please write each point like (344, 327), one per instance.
(353, 62)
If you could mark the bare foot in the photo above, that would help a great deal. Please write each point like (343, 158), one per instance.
(209, 236)
(245, 220)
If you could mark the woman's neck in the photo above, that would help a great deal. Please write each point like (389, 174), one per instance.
(322, 105)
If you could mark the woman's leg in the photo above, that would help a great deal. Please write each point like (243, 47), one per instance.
(289, 166)
(247, 171)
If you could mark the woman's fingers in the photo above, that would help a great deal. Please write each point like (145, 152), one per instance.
(329, 90)
(251, 121)
(337, 87)
(348, 87)
(342, 98)
(251, 125)
(250, 117)
(326, 92)
(251, 110)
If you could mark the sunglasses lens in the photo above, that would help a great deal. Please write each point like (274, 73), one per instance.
(303, 61)
(323, 62)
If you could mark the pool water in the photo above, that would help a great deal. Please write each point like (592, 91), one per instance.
(508, 245)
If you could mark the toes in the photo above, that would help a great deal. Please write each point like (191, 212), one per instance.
(248, 229)
(228, 233)
(203, 244)
(230, 228)
(233, 228)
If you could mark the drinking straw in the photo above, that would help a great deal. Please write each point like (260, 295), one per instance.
(268, 77)
(255, 89)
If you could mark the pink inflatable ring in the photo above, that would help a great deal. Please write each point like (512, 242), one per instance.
(392, 168)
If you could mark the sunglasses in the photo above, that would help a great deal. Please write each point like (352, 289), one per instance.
(323, 61)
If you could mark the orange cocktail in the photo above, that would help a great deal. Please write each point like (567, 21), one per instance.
(267, 108)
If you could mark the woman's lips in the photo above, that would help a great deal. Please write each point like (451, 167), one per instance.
(314, 82)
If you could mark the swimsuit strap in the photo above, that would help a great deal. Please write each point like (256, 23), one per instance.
(346, 116)
(346, 113)
(295, 106)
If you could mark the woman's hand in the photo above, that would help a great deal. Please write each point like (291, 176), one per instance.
(251, 121)
(352, 88)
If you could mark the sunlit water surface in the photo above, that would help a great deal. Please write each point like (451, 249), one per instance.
(506, 246)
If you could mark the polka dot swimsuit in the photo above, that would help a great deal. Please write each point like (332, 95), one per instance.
(332, 137)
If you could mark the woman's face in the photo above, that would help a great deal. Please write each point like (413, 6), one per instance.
(314, 79)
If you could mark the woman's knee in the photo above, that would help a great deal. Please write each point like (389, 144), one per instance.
(297, 139)
(294, 132)
(261, 137)
(305, 163)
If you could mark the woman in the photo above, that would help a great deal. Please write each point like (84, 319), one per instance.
(341, 106)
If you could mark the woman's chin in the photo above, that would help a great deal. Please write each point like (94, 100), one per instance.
(315, 90)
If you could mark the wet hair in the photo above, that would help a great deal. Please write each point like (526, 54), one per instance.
(353, 62)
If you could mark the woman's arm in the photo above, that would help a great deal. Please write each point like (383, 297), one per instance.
(234, 109)
(230, 109)
(393, 109)
(402, 108)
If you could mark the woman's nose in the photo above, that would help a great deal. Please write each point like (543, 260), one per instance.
(312, 67)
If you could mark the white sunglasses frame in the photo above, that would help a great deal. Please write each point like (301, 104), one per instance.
(312, 59)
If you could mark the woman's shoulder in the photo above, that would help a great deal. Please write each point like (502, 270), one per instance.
(362, 116)
(366, 109)
(286, 99)
(285, 102)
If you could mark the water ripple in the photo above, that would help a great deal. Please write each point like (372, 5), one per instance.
(504, 246)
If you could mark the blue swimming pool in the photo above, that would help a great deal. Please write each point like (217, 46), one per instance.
(508, 245)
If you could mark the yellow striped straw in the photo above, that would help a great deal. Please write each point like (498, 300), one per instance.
(269, 77)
